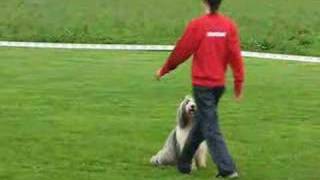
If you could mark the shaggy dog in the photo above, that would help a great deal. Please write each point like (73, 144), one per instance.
(174, 144)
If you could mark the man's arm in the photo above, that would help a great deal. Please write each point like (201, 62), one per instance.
(236, 61)
(186, 46)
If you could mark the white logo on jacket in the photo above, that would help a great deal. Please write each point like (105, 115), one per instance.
(216, 34)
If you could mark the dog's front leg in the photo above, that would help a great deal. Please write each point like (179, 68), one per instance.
(201, 156)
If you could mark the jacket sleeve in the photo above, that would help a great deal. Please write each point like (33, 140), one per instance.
(236, 60)
(185, 47)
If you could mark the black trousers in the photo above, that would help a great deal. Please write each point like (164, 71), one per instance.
(206, 127)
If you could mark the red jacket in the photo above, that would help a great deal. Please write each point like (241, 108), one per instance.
(214, 43)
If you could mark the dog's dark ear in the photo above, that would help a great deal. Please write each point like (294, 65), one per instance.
(183, 118)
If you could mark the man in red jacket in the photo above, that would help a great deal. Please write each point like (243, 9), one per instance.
(214, 43)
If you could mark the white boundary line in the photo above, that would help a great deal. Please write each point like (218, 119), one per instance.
(148, 48)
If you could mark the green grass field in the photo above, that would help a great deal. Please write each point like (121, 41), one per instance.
(88, 115)
(272, 25)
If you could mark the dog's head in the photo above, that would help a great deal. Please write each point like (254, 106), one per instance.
(186, 111)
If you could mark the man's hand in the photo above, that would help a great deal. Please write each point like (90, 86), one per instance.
(238, 98)
(238, 92)
(158, 74)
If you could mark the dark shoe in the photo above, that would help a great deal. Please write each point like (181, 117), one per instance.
(233, 175)
(184, 168)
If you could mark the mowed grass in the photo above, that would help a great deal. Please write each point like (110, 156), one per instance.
(88, 115)
(274, 25)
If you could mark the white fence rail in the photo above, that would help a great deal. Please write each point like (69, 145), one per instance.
(148, 48)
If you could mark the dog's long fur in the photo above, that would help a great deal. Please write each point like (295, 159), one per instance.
(174, 144)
